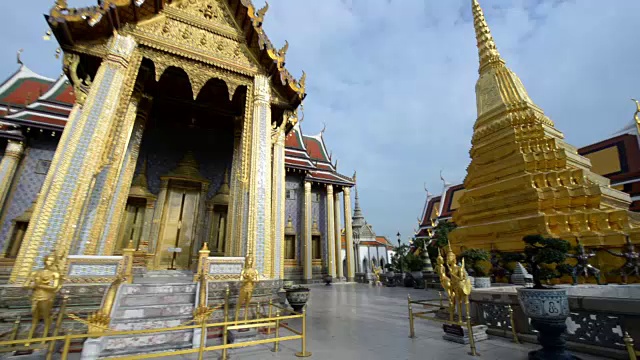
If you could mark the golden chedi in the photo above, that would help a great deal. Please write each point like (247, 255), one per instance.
(524, 178)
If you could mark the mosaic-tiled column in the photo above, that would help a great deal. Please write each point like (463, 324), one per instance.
(157, 216)
(79, 157)
(146, 225)
(234, 218)
(278, 201)
(126, 159)
(8, 166)
(201, 235)
(348, 234)
(105, 206)
(258, 237)
(337, 236)
(331, 232)
(306, 235)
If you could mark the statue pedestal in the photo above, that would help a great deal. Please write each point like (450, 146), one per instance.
(460, 334)
(242, 335)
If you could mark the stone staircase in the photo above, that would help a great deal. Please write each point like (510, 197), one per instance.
(155, 300)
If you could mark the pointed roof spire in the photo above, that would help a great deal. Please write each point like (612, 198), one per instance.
(358, 217)
(487, 50)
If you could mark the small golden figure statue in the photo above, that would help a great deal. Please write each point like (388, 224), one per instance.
(45, 284)
(376, 274)
(249, 278)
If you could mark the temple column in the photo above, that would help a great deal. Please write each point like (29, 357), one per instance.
(113, 193)
(157, 216)
(258, 235)
(337, 235)
(331, 246)
(146, 226)
(79, 157)
(278, 201)
(234, 219)
(8, 166)
(348, 234)
(306, 234)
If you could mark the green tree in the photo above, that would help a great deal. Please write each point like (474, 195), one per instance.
(472, 259)
(545, 257)
(440, 238)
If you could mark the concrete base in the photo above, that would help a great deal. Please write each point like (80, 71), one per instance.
(460, 334)
(239, 336)
(92, 348)
(34, 355)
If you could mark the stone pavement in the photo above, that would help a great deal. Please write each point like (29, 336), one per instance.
(356, 321)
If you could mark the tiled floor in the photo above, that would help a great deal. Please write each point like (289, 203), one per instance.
(356, 321)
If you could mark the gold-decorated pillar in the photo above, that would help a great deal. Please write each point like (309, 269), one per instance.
(331, 246)
(337, 236)
(348, 234)
(79, 158)
(235, 215)
(146, 225)
(157, 216)
(306, 234)
(111, 195)
(8, 166)
(258, 235)
(278, 201)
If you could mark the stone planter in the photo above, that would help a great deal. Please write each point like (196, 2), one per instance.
(548, 310)
(482, 282)
(327, 280)
(282, 297)
(390, 279)
(418, 279)
(297, 297)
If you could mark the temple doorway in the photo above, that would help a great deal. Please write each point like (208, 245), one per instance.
(186, 155)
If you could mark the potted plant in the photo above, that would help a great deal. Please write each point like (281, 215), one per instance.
(297, 296)
(547, 307)
(390, 275)
(473, 259)
(327, 279)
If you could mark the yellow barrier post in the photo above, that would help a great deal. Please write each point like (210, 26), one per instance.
(16, 329)
(304, 352)
(472, 340)
(226, 319)
(203, 339)
(513, 325)
(277, 343)
(412, 333)
(56, 330)
(65, 349)
(628, 342)
(269, 315)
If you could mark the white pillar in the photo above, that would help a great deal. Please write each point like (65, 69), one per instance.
(331, 246)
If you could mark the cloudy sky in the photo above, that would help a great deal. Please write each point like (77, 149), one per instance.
(393, 80)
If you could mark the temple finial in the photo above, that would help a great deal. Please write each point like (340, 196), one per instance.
(487, 50)
(19, 56)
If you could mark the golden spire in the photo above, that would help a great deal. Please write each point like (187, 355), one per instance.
(487, 50)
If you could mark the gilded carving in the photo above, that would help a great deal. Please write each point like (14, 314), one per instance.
(168, 32)
(198, 72)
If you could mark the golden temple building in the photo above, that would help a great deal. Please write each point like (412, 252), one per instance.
(525, 179)
(176, 125)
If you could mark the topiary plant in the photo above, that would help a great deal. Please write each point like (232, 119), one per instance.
(545, 257)
(472, 259)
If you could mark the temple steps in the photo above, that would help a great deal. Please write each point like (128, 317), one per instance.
(156, 300)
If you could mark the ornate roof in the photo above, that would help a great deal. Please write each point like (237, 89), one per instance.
(29, 100)
(90, 25)
(308, 153)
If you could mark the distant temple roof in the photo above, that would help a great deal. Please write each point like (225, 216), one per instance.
(30, 100)
(379, 241)
(309, 153)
